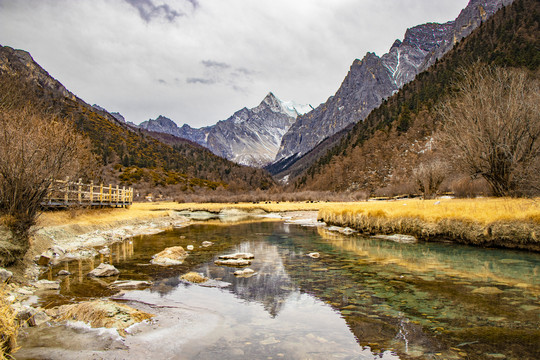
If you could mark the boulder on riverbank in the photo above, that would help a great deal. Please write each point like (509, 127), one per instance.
(170, 256)
(104, 270)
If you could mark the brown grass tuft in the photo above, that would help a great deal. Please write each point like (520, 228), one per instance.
(9, 327)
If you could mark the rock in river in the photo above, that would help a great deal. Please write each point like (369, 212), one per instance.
(245, 256)
(233, 262)
(245, 273)
(170, 256)
(104, 270)
(100, 313)
(194, 277)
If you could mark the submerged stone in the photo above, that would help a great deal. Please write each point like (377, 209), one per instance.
(399, 238)
(130, 284)
(487, 290)
(47, 285)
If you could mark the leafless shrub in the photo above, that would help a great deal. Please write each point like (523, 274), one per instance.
(34, 150)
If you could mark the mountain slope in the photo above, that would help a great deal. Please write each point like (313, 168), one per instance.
(374, 78)
(250, 136)
(382, 150)
(115, 142)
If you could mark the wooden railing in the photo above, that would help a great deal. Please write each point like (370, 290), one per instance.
(64, 193)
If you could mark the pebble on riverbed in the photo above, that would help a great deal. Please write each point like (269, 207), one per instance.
(314, 255)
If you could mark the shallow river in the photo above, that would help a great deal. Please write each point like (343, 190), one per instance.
(363, 298)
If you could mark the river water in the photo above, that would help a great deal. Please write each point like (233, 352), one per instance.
(363, 298)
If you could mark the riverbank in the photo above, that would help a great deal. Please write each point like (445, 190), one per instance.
(504, 223)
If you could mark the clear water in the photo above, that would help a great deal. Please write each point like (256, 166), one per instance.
(363, 298)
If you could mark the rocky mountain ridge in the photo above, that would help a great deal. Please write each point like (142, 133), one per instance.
(374, 78)
(249, 137)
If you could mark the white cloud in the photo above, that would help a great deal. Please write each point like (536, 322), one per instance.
(199, 61)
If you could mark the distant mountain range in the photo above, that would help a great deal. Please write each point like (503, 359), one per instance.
(276, 134)
(129, 155)
(249, 137)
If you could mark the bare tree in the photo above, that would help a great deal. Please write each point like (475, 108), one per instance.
(34, 150)
(491, 128)
(428, 177)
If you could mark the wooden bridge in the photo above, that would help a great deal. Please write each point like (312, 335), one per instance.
(65, 193)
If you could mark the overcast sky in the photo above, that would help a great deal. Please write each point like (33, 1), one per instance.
(199, 61)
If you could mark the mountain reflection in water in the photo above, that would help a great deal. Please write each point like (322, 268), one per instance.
(419, 301)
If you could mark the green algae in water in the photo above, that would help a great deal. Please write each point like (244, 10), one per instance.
(402, 297)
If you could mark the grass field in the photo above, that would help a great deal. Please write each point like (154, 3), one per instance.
(503, 222)
(509, 223)
(482, 211)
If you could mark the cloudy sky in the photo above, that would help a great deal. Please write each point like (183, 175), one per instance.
(199, 61)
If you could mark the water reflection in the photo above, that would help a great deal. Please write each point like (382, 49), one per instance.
(416, 300)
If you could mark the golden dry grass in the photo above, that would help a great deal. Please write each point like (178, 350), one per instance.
(509, 223)
(150, 210)
(9, 327)
(482, 211)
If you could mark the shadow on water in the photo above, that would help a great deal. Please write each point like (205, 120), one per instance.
(360, 297)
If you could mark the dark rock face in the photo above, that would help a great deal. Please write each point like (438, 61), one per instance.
(374, 78)
(469, 19)
(20, 62)
(249, 137)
